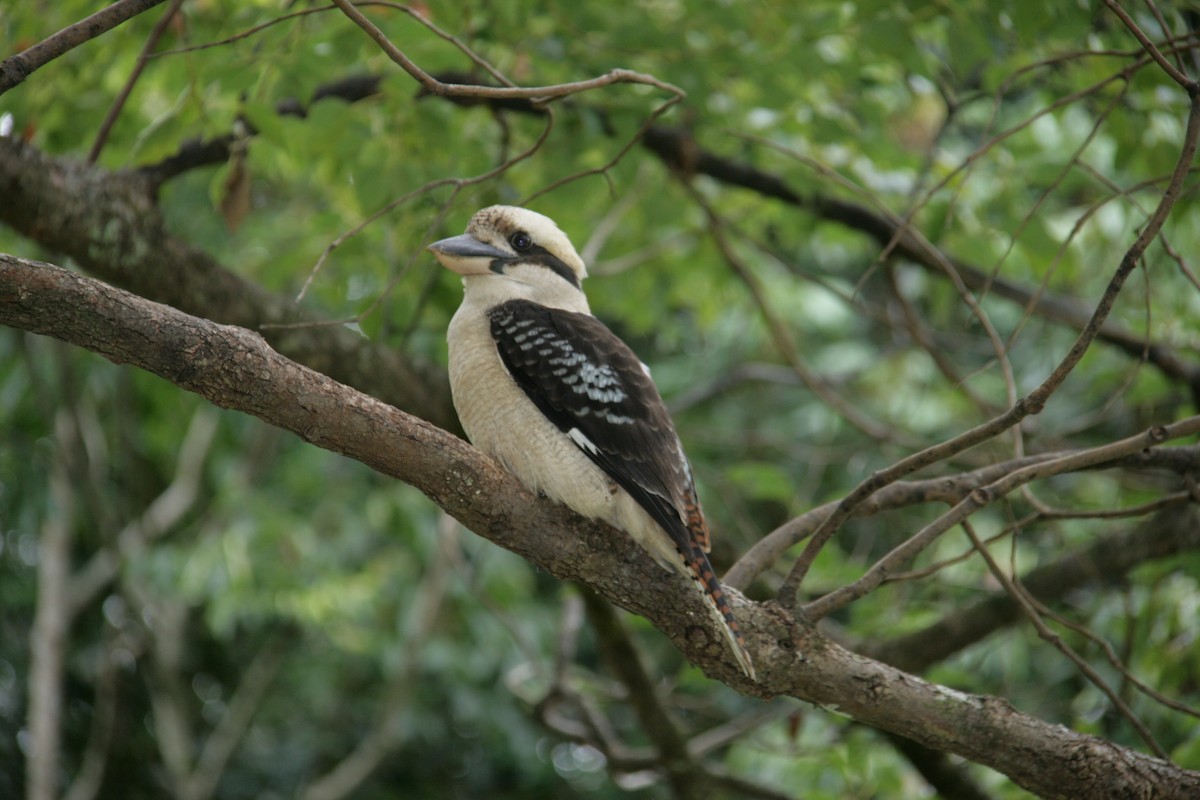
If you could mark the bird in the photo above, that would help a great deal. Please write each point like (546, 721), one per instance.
(563, 403)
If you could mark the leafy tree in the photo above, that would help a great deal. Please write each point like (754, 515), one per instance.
(918, 281)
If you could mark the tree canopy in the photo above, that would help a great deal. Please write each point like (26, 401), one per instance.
(917, 280)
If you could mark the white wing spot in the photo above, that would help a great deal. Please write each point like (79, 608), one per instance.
(601, 384)
(577, 436)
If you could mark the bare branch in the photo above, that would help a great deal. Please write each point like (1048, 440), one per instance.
(51, 623)
(175, 733)
(538, 93)
(985, 495)
(372, 750)
(951, 490)
(235, 720)
(87, 782)
(1184, 81)
(1027, 607)
(15, 69)
(1033, 402)
(159, 517)
(1105, 560)
(114, 111)
(675, 763)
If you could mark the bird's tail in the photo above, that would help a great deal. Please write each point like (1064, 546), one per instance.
(717, 601)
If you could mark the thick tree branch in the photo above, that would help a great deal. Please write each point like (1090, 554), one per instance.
(234, 368)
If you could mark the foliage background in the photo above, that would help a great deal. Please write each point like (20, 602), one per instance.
(354, 595)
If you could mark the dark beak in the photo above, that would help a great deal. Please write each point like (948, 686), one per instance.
(466, 255)
(466, 246)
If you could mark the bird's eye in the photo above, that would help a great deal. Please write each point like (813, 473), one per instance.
(521, 241)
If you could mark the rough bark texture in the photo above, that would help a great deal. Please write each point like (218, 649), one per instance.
(235, 368)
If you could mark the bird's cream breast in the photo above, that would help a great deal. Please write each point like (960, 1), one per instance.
(505, 423)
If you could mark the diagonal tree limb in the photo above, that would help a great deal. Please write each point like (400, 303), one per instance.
(16, 68)
(886, 567)
(235, 368)
(535, 93)
(951, 489)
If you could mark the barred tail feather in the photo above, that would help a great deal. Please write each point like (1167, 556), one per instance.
(717, 602)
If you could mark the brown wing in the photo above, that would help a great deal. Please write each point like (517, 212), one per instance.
(591, 385)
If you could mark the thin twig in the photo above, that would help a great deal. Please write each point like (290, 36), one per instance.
(984, 496)
(457, 183)
(51, 622)
(924, 339)
(220, 745)
(782, 338)
(1113, 659)
(949, 490)
(15, 69)
(1174, 74)
(1033, 402)
(684, 774)
(1106, 559)
(543, 93)
(114, 111)
(385, 733)
(158, 518)
(88, 780)
(1023, 602)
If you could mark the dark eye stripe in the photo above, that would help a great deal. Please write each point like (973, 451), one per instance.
(540, 255)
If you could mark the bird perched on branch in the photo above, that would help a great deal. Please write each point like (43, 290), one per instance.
(563, 403)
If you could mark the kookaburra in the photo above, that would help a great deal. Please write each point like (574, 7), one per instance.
(563, 403)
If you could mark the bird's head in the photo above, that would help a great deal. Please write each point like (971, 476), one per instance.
(514, 252)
